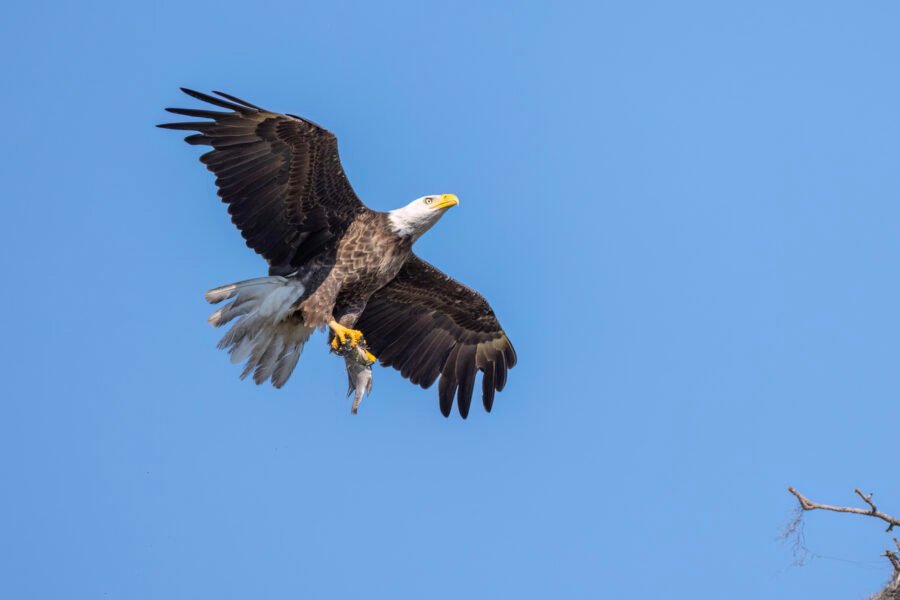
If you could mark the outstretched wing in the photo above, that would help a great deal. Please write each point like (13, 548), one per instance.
(425, 323)
(280, 175)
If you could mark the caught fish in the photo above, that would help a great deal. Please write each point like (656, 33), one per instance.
(359, 363)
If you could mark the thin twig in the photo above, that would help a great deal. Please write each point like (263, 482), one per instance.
(866, 499)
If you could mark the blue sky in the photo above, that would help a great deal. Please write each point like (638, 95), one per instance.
(685, 214)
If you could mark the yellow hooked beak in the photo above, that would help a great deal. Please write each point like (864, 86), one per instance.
(446, 201)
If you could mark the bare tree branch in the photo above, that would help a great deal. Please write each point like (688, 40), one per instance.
(807, 504)
(891, 591)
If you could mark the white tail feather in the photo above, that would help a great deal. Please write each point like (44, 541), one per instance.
(268, 333)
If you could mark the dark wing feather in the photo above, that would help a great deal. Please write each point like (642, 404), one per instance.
(280, 175)
(425, 324)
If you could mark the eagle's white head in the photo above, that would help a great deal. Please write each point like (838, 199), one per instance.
(418, 216)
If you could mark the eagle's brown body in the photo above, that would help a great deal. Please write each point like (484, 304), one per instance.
(368, 257)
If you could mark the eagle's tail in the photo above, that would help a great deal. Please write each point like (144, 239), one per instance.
(269, 333)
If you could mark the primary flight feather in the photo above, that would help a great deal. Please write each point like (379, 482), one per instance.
(334, 262)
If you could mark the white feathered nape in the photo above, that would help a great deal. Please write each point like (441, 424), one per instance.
(268, 333)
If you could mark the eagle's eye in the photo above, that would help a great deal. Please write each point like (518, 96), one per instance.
(428, 200)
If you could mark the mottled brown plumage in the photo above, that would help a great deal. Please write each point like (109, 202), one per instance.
(334, 261)
(368, 257)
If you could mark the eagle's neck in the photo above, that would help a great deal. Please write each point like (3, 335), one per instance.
(411, 224)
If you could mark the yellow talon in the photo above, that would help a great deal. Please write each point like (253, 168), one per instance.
(344, 335)
(370, 357)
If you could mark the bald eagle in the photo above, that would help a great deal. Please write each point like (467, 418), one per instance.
(334, 262)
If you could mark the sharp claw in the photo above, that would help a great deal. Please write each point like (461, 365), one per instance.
(344, 336)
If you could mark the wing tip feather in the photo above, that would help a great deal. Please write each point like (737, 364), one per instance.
(216, 101)
(237, 100)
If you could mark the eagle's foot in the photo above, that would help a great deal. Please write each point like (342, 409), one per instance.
(344, 336)
(370, 358)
